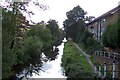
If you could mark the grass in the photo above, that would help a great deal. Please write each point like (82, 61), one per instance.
(72, 56)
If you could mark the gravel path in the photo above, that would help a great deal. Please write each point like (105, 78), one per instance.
(86, 55)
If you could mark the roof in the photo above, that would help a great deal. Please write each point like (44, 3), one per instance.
(114, 10)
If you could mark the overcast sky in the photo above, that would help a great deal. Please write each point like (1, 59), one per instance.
(58, 8)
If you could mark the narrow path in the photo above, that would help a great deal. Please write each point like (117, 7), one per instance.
(86, 55)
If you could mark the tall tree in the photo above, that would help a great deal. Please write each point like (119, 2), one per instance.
(24, 49)
(8, 49)
(74, 26)
(55, 31)
(35, 40)
(11, 35)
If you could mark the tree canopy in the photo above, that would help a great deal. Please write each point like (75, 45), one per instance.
(24, 44)
(74, 26)
(111, 36)
(8, 33)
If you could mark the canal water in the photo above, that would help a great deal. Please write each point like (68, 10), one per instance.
(52, 69)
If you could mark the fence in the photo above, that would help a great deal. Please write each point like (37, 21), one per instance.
(103, 70)
(112, 55)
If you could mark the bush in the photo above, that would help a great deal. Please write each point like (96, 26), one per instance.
(89, 44)
(111, 36)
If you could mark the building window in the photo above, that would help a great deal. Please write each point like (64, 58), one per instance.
(103, 20)
(96, 23)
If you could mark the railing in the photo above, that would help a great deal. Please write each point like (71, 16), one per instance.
(101, 70)
(111, 55)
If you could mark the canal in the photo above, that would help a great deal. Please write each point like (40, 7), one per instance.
(52, 69)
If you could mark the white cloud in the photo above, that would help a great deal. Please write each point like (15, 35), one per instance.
(58, 8)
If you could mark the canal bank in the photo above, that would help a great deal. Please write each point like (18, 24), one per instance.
(75, 63)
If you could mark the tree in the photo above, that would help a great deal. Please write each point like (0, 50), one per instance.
(10, 32)
(8, 49)
(74, 26)
(22, 6)
(24, 49)
(56, 32)
(36, 40)
(111, 36)
(18, 52)
(85, 36)
(53, 26)
(76, 13)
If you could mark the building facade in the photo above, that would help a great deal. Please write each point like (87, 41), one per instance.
(99, 24)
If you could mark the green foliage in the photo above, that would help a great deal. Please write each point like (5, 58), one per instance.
(31, 50)
(53, 26)
(56, 32)
(76, 12)
(42, 33)
(35, 40)
(74, 63)
(93, 45)
(85, 36)
(75, 30)
(119, 32)
(8, 33)
(111, 36)
(74, 26)
(18, 56)
(88, 43)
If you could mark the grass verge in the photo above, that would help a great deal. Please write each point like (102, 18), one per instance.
(74, 63)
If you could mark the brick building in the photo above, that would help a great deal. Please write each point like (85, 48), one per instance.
(97, 28)
(99, 24)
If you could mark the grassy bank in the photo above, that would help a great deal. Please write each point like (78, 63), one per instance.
(74, 63)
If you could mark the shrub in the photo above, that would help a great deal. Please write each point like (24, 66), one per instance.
(111, 36)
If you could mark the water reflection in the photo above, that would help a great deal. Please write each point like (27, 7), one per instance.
(52, 69)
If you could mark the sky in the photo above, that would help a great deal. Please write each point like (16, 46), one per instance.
(58, 8)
